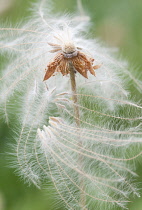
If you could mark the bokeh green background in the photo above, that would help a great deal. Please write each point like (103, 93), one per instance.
(118, 23)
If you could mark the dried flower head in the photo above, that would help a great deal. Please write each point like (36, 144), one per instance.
(69, 53)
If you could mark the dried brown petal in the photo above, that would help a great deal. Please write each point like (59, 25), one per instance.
(63, 67)
(91, 70)
(50, 71)
(51, 68)
(79, 65)
(88, 63)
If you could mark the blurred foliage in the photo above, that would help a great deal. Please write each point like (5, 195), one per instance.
(117, 24)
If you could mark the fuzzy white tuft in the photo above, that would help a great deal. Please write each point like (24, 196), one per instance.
(47, 147)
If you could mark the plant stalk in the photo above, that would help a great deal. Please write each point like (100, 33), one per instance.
(77, 121)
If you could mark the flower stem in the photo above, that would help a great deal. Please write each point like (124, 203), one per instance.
(77, 121)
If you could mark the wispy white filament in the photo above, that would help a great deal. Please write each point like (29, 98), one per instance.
(47, 137)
